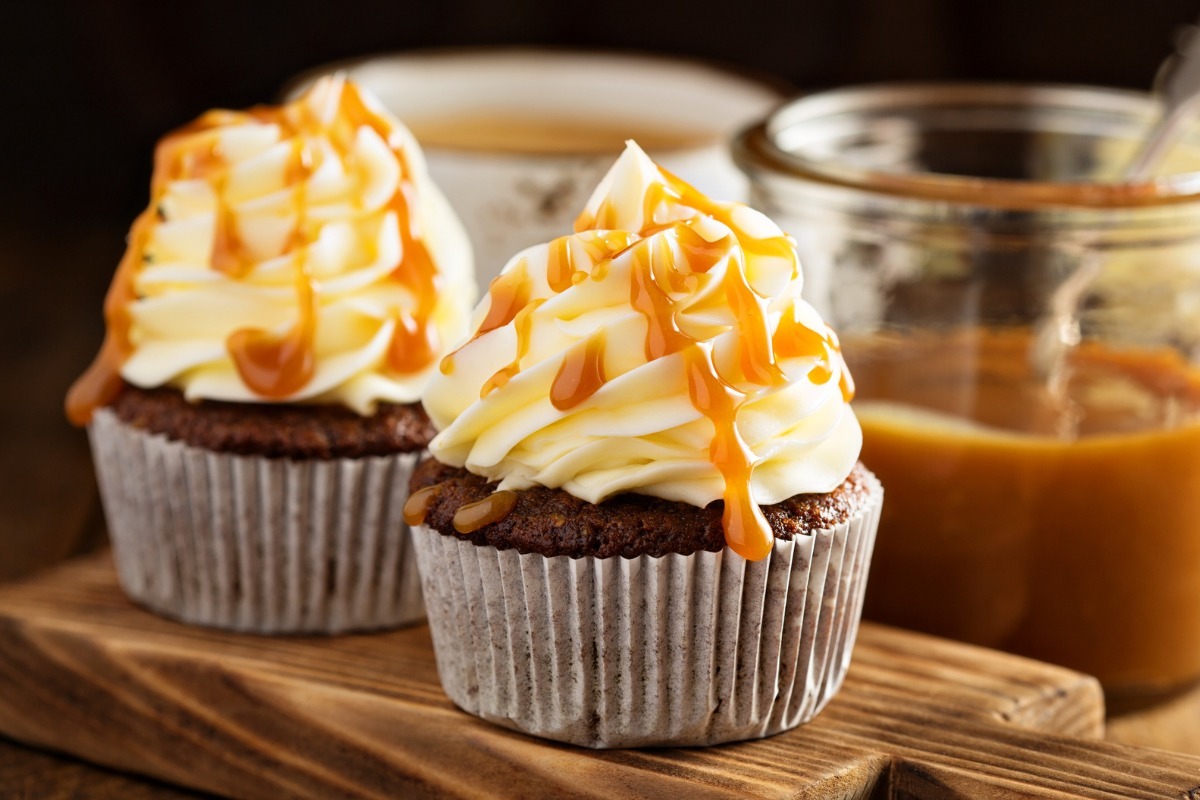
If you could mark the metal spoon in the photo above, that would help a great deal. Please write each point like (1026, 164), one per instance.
(1178, 84)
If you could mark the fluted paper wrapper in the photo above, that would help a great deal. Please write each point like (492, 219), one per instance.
(264, 545)
(677, 650)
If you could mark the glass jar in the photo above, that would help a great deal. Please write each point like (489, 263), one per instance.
(1024, 330)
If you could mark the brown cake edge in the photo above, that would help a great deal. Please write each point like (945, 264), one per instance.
(553, 522)
(275, 430)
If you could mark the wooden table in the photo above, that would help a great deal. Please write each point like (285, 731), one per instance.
(48, 501)
(50, 324)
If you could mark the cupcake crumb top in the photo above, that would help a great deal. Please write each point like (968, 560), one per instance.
(275, 430)
(553, 522)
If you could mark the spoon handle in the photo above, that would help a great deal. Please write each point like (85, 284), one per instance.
(1178, 84)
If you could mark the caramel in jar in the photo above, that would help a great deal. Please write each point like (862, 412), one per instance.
(1065, 528)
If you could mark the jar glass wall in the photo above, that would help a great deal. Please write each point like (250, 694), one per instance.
(1024, 330)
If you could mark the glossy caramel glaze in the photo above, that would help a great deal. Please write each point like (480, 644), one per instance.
(660, 273)
(271, 365)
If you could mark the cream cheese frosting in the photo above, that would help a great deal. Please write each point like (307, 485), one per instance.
(663, 349)
(292, 254)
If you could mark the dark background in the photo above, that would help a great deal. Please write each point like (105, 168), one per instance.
(89, 86)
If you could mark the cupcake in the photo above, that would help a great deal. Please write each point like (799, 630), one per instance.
(254, 410)
(644, 521)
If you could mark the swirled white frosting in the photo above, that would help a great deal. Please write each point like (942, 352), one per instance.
(308, 187)
(643, 429)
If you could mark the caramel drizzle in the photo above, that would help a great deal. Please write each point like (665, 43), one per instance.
(101, 382)
(508, 293)
(469, 517)
(656, 274)
(416, 507)
(522, 324)
(794, 340)
(746, 530)
(493, 508)
(581, 374)
(415, 344)
(272, 365)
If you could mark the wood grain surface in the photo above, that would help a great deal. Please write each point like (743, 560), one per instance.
(85, 672)
(28, 774)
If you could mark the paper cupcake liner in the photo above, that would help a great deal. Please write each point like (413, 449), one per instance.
(264, 545)
(677, 650)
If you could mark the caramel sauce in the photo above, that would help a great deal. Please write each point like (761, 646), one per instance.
(272, 365)
(663, 336)
(560, 265)
(228, 252)
(101, 382)
(276, 366)
(581, 374)
(795, 340)
(1075, 544)
(417, 506)
(746, 530)
(493, 508)
(757, 356)
(355, 109)
(507, 295)
(655, 274)
(522, 324)
(415, 343)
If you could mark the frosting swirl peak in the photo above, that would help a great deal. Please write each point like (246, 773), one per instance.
(290, 254)
(662, 349)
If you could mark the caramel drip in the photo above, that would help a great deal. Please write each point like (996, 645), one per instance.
(355, 109)
(560, 265)
(581, 374)
(604, 249)
(276, 366)
(600, 269)
(663, 336)
(228, 251)
(674, 190)
(415, 343)
(700, 255)
(677, 190)
(272, 365)
(493, 508)
(795, 340)
(173, 161)
(522, 325)
(561, 270)
(417, 506)
(756, 357)
(101, 382)
(507, 295)
(746, 530)
(655, 274)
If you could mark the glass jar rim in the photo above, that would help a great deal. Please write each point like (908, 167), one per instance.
(757, 147)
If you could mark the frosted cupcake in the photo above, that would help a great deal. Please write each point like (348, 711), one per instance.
(253, 410)
(644, 522)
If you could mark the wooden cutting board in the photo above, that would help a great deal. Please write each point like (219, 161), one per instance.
(85, 672)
